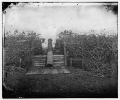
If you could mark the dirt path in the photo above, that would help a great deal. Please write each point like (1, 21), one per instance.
(78, 83)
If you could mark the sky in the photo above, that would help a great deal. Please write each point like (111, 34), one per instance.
(49, 19)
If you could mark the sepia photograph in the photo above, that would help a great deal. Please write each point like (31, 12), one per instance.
(59, 50)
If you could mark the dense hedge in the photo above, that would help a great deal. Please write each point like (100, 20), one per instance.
(98, 50)
(21, 46)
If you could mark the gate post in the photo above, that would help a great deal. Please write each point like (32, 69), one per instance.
(65, 55)
(70, 62)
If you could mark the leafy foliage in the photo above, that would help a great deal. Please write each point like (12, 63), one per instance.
(99, 51)
(21, 46)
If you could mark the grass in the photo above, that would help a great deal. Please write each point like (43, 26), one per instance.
(78, 83)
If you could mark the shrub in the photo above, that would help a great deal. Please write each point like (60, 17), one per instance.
(98, 49)
(20, 48)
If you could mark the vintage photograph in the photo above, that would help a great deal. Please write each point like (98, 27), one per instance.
(59, 49)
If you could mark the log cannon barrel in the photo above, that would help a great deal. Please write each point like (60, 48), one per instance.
(49, 54)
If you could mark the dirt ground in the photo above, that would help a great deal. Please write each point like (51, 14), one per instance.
(76, 84)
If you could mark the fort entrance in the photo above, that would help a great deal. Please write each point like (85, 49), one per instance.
(49, 63)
